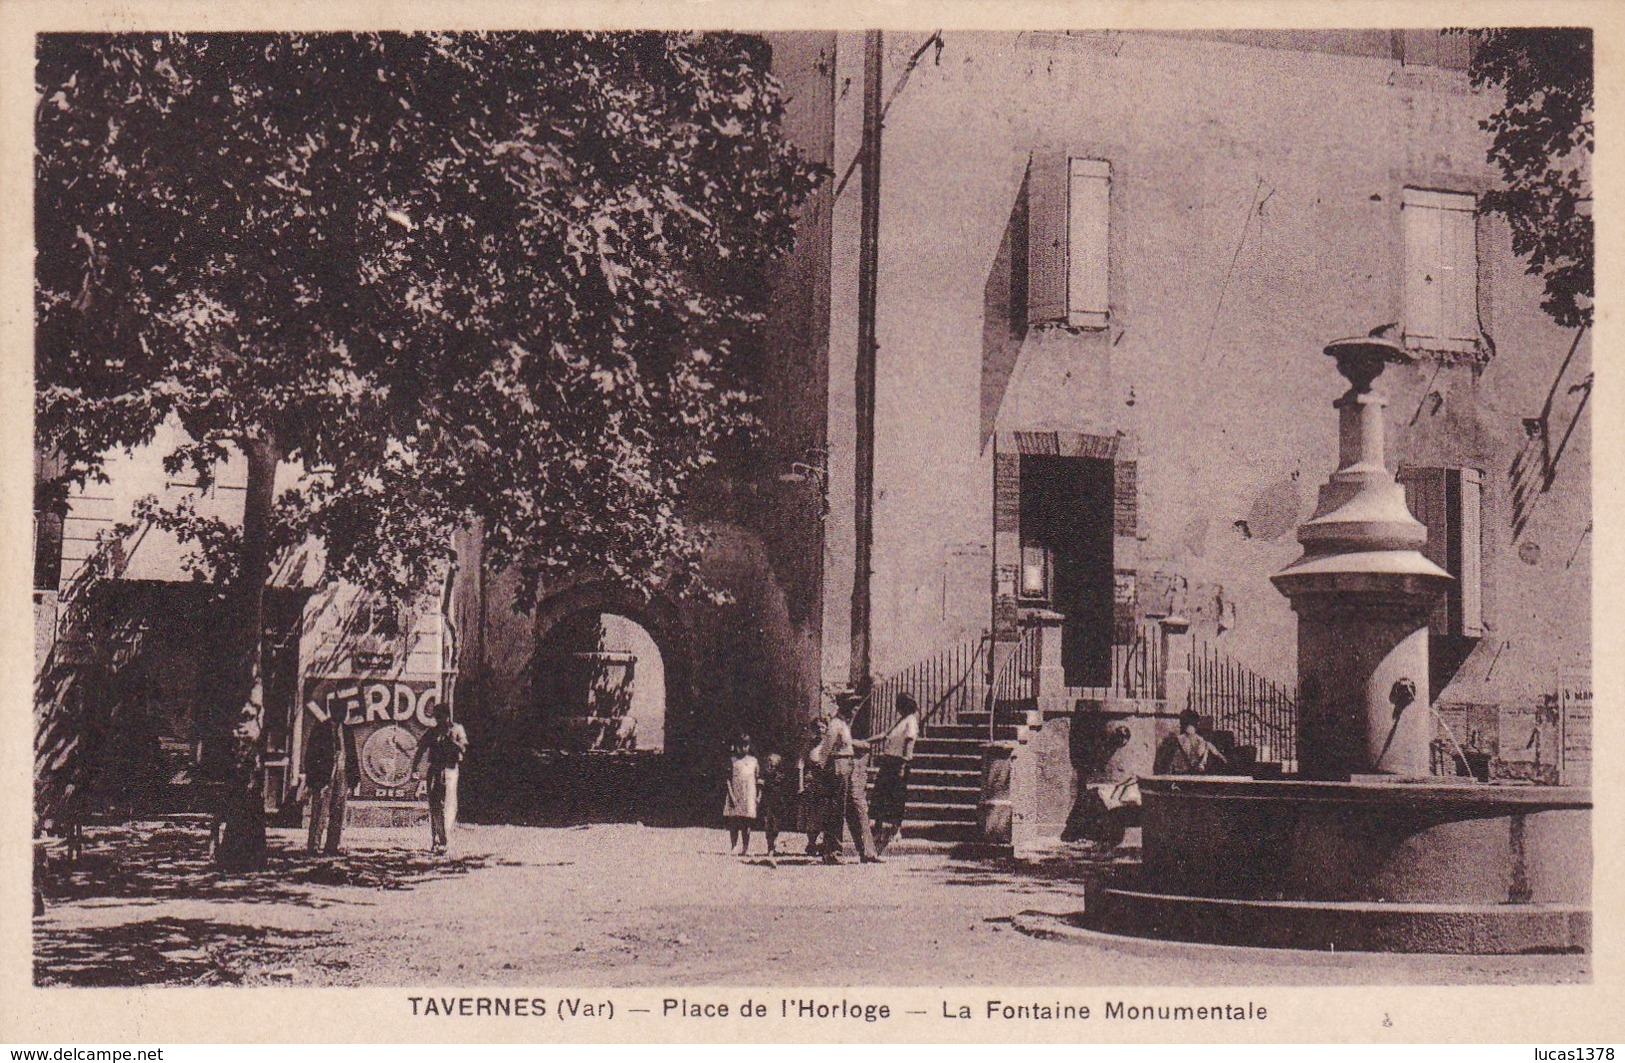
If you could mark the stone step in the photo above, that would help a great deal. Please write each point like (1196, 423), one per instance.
(947, 762)
(943, 795)
(968, 732)
(1008, 717)
(940, 812)
(917, 831)
(969, 777)
(951, 745)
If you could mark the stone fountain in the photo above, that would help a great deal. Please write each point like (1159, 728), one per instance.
(1363, 850)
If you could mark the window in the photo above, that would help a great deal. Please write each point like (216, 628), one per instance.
(1440, 48)
(1068, 242)
(1034, 571)
(47, 550)
(378, 617)
(1449, 502)
(1441, 271)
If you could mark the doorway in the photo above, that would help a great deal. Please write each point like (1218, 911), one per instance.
(1066, 531)
(600, 686)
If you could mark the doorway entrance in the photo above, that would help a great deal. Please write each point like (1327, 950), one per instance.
(1066, 548)
(600, 686)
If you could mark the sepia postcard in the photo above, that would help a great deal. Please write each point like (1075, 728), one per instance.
(1032, 522)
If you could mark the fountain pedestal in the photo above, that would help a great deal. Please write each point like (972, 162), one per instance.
(1363, 850)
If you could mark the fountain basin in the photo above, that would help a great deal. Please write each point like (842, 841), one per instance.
(1374, 863)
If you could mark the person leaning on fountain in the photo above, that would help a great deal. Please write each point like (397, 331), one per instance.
(1187, 753)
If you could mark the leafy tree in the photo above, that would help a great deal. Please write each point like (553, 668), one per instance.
(511, 278)
(1542, 146)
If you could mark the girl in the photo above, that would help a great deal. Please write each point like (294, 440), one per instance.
(744, 788)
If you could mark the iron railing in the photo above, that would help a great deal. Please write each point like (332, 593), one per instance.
(950, 683)
(1016, 684)
(1259, 712)
(71, 686)
(1138, 668)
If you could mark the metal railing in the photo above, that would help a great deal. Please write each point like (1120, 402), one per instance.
(945, 685)
(1259, 712)
(71, 686)
(1138, 668)
(1016, 684)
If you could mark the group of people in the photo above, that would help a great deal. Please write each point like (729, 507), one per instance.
(822, 790)
(330, 770)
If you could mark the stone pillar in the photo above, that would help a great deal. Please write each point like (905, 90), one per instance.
(1362, 591)
(1051, 678)
(1174, 686)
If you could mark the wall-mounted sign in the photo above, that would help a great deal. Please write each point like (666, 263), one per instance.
(385, 718)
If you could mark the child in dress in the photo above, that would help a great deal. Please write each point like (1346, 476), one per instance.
(744, 790)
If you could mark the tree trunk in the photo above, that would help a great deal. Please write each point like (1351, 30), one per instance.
(240, 720)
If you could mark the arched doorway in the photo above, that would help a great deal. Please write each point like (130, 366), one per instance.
(599, 686)
(597, 723)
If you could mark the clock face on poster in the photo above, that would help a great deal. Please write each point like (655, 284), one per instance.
(386, 756)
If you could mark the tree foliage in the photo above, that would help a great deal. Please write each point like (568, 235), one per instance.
(499, 276)
(511, 278)
(1542, 146)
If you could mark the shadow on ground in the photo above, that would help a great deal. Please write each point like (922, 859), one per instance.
(165, 861)
(163, 952)
(1064, 874)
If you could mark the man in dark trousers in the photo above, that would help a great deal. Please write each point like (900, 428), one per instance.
(848, 769)
(327, 781)
(444, 744)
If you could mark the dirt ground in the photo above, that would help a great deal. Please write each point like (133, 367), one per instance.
(623, 905)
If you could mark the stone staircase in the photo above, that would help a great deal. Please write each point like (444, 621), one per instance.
(945, 781)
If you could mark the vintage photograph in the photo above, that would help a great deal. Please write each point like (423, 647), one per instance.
(843, 508)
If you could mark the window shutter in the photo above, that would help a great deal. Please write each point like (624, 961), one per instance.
(1046, 239)
(1425, 495)
(1441, 270)
(1422, 300)
(1126, 499)
(1459, 237)
(1007, 493)
(1469, 572)
(1088, 242)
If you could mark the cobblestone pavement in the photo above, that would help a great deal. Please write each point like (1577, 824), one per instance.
(623, 905)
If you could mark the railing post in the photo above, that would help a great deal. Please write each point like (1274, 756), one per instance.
(1049, 677)
(1174, 687)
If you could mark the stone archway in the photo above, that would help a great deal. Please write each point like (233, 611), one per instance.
(664, 624)
(557, 747)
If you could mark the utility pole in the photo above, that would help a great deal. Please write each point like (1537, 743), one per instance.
(868, 269)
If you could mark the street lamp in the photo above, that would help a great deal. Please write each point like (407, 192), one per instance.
(813, 471)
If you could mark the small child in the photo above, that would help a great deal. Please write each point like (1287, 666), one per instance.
(778, 801)
(744, 789)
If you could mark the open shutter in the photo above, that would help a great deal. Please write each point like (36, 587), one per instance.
(1459, 237)
(1046, 239)
(1088, 243)
(1422, 280)
(1426, 495)
(1469, 547)
(1126, 499)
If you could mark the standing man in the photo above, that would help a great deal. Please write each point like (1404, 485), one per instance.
(849, 783)
(327, 781)
(892, 759)
(444, 744)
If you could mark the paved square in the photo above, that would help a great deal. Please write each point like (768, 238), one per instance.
(623, 905)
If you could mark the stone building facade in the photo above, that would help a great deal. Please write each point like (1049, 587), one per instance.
(1108, 264)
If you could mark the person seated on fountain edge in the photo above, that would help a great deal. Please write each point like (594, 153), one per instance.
(1187, 753)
